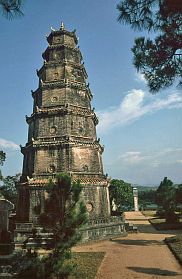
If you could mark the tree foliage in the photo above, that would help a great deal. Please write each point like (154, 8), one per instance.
(160, 60)
(11, 8)
(121, 193)
(166, 199)
(8, 189)
(179, 194)
(64, 214)
(2, 159)
(146, 197)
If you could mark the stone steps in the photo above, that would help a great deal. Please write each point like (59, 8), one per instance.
(130, 228)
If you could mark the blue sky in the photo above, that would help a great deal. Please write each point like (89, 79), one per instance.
(141, 132)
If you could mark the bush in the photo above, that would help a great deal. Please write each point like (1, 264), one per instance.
(171, 217)
(161, 213)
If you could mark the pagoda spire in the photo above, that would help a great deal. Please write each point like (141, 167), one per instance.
(62, 26)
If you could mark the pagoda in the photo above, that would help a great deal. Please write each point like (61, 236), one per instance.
(62, 134)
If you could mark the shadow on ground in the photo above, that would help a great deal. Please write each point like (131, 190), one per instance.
(139, 242)
(155, 271)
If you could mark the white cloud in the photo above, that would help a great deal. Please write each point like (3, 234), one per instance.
(164, 157)
(140, 78)
(8, 144)
(133, 106)
(132, 157)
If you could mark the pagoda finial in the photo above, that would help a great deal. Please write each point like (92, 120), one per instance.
(52, 29)
(62, 26)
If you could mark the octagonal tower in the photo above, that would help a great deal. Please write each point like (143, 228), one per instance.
(62, 132)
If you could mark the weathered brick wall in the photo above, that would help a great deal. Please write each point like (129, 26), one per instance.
(51, 126)
(54, 73)
(53, 97)
(96, 197)
(85, 159)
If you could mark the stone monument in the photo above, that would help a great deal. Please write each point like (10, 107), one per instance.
(62, 134)
(135, 198)
(5, 208)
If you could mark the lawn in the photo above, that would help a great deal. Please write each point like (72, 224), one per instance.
(87, 264)
(175, 245)
(149, 213)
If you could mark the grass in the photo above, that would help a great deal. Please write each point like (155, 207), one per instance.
(87, 264)
(175, 245)
(149, 213)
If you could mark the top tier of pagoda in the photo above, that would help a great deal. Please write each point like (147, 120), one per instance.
(63, 68)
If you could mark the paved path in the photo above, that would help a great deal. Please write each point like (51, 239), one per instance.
(139, 255)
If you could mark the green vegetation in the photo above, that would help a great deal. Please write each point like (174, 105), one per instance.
(2, 159)
(159, 59)
(175, 244)
(8, 189)
(149, 213)
(121, 194)
(11, 8)
(179, 196)
(146, 197)
(64, 215)
(166, 200)
(87, 264)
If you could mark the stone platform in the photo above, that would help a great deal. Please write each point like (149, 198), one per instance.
(103, 229)
(97, 229)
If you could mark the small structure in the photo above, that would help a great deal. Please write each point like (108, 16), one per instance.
(5, 208)
(6, 243)
(135, 198)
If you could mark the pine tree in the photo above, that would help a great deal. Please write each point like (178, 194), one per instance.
(166, 199)
(160, 60)
(11, 8)
(2, 159)
(64, 214)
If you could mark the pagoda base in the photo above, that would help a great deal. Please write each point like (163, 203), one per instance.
(97, 229)
(103, 229)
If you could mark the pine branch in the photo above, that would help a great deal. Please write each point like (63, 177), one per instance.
(11, 8)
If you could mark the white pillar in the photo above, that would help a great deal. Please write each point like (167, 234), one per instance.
(135, 198)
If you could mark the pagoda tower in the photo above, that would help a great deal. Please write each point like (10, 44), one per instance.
(62, 132)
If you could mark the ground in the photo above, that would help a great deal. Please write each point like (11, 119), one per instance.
(139, 255)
